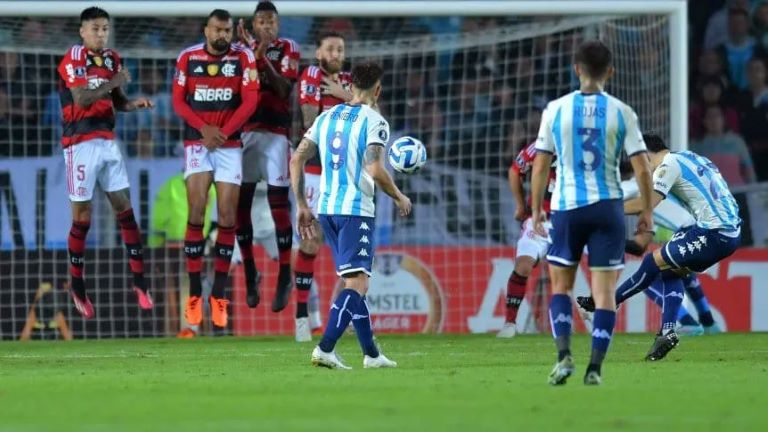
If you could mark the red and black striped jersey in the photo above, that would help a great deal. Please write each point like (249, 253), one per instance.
(82, 67)
(218, 90)
(310, 94)
(522, 166)
(274, 112)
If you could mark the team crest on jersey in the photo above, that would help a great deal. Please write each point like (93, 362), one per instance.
(212, 69)
(228, 70)
(383, 135)
(310, 89)
(98, 61)
(662, 172)
(109, 63)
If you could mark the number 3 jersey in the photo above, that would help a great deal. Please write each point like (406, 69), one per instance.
(343, 134)
(588, 132)
(696, 182)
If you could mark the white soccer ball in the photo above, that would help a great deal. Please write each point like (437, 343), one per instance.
(407, 155)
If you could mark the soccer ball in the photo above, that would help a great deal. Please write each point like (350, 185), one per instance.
(407, 155)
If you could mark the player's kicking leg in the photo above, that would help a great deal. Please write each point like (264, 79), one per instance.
(530, 248)
(687, 323)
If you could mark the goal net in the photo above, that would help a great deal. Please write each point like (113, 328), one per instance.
(471, 88)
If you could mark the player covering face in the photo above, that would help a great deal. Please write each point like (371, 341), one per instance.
(266, 149)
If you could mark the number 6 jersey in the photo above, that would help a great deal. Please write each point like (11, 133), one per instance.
(587, 132)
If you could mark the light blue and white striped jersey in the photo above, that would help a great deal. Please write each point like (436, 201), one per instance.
(587, 132)
(670, 213)
(342, 135)
(696, 182)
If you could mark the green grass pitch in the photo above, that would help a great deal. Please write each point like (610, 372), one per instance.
(444, 383)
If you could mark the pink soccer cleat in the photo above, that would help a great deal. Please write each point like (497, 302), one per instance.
(144, 298)
(83, 305)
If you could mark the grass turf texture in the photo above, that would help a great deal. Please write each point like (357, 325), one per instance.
(465, 383)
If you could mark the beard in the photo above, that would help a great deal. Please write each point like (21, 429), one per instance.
(220, 45)
(331, 67)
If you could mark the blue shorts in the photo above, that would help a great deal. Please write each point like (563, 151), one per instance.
(697, 249)
(351, 241)
(598, 226)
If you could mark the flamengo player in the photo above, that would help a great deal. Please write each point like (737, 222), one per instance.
(266, 149)
(351, 140)
(531, 247)
(215, 90)
(587, 130)
(321, 88)
(91, 77)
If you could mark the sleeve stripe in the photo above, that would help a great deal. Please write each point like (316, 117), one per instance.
(638, 152)
(538, 150)
(190, 49)
(660, 193)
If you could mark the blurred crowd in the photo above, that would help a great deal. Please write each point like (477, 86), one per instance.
(473, 107)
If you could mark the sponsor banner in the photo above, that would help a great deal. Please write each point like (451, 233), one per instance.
(34, 204)
(461, 290)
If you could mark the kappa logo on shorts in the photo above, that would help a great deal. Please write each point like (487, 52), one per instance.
(364, 240)
(703, 240)
(364, 226)
(682, 250)
(363, 253)
(81, 191)
(194, 163)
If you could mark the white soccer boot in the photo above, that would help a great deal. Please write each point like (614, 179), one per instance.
(508, 331)
(303, 333)
(378, 362)
(327, 360)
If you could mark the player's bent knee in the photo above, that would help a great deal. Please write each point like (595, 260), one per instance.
(81, 211)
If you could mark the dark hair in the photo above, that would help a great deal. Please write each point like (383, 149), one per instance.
(265, 6)
(92, 13)
(219, 14)
(366, 74)
(325, 35)
(654, 142)
(595, 57)
(736, 11)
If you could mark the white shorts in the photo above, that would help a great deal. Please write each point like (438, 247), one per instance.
(530, 243)
(266, 156)
(312, 190)
(226, 163)
(97, 160)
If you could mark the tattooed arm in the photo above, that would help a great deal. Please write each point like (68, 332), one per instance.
(374, 163)
(304, 216)
(306, 150)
